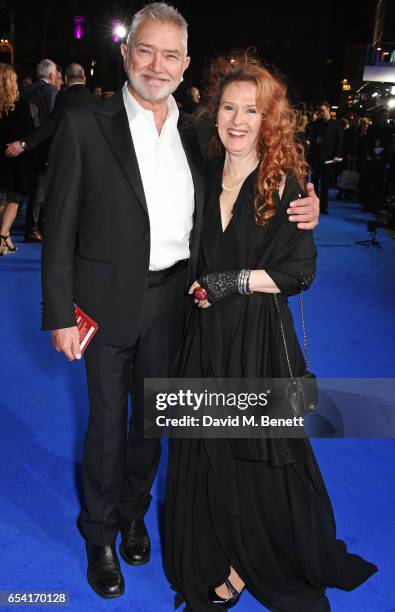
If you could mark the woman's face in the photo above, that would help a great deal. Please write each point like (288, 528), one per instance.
(238, 120)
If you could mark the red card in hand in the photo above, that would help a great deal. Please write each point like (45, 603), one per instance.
(87, 328)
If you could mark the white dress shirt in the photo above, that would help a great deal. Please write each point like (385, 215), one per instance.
(167, 181)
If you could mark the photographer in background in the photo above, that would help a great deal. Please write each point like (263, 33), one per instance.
(326, 151)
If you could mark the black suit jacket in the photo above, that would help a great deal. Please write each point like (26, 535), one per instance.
(47, 93)
(97, 234)
(74, 96)
(327, 141)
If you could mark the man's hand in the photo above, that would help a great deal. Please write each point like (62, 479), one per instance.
(67, 341)
(13, 149)
(306, 211)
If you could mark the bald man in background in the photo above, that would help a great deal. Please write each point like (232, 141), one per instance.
(75, 94)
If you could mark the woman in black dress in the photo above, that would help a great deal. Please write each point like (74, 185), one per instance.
(243, 512)
(15, 121)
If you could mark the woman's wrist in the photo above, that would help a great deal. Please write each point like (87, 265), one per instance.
(254, 280)
(260, 281)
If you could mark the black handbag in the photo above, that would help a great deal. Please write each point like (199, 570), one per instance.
(300, 391)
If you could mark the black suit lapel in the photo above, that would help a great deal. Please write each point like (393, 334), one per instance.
(192, 151)
(113, 122)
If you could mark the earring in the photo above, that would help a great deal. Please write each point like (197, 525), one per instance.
(216, 124)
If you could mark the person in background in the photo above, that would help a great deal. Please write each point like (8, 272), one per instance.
(44, 90)
(15, 120)
(41, 99)
(301, 133)
(379, 147)
(362, 162)
(326, 151)
(76, 94)
(59, 79)
(192, 100)
(98, 91)
(312, 117)
(350, 143)
(25, 81)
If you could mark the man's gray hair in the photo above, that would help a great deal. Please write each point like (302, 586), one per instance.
(75, 72)
(44, 68)
(162, 12)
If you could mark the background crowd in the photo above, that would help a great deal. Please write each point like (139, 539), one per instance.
(354, 153)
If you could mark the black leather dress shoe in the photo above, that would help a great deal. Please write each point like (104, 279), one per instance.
(135, 547)
(104, 572)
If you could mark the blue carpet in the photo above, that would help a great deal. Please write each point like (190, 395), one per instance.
(44, 412)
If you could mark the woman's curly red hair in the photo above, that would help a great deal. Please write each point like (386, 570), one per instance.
(278, 151)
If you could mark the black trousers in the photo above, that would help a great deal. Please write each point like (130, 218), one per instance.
(321, 177)
(35, 205)
(119, 464)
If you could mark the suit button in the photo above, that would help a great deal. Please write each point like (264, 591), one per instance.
(146, 236)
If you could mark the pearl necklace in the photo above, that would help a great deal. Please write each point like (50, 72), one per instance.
(230, 189)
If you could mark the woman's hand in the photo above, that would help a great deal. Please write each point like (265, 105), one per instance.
(200, 303)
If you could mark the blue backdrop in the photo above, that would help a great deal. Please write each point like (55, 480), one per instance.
(43, 405)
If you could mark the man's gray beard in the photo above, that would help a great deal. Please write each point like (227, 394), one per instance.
(140, 90)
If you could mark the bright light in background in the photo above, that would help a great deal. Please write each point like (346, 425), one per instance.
(393, 90)
(391, 103)
(118, 30)
(79, 27)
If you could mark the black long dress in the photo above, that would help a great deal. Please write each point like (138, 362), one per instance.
(260, 506)
(15, 172)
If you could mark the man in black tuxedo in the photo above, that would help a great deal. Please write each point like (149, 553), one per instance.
(326, 151)
(121, 238)
(41, 96)
(76, 94)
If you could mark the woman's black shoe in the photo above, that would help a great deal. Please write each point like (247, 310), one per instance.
(231, 601)
(104, 572)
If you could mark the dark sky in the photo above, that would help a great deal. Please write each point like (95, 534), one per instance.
(305, 40)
